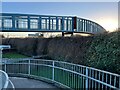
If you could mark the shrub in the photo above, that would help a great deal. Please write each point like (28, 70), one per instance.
(104, 52)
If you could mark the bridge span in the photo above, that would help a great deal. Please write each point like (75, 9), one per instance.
(11, 22)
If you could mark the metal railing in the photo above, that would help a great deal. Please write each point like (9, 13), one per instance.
(67, 74)
(47, 23)
(5, 81)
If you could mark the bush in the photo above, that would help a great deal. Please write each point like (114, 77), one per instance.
(99, 51)
(104, 52)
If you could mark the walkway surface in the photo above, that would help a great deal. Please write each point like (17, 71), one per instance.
(30, 83)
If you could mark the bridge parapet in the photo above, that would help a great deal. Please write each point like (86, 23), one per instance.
(10, 22)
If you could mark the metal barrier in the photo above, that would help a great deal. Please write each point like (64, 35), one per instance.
(4, 81)
(67, 74)
(45, 23)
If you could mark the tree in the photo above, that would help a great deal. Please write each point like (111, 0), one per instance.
(2, 36)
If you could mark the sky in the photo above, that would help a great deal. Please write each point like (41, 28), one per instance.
(60, 0)
(104, 13)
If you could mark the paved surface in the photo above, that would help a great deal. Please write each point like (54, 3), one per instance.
(30, 83)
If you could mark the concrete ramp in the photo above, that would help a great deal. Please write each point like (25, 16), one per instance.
(30, 83)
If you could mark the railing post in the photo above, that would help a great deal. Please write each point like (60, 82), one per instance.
(53, 70)
(28, 22)
(29, 67)
(0, 58)
(74, 23)
(5, 66)
(86, 82)
(13, 22)
(62, 24)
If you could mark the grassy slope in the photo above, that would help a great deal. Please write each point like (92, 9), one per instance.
(14, 55)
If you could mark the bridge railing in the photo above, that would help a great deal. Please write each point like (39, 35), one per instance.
(84, 25)
(46, 23)
(67, 74)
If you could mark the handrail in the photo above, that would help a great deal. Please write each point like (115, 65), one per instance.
(4, 83)
(17, 60)
(13, 87)
(67, 74)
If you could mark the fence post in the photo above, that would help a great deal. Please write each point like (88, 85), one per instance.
(86, 82)
(29, 67)
(0, 58)
(5, 66)
(53, 70)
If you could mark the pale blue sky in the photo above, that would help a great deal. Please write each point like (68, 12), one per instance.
(82, 9)
(104, 13)
(60, 0)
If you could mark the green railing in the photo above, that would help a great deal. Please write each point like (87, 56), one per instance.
(66, 74)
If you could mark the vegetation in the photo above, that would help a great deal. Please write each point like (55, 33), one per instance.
(104, 52)
(14, 55)
(100, 51)
(2, 36)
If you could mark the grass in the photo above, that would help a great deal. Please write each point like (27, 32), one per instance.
(14, 55)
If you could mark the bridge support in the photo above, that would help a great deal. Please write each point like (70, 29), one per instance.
(63, 33)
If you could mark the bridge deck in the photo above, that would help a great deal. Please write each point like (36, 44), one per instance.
(30, 83)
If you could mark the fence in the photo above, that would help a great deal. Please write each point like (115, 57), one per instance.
(67, 74)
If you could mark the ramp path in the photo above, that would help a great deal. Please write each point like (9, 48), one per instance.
(30, 83)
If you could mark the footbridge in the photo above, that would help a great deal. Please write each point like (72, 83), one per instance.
(11, 22)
